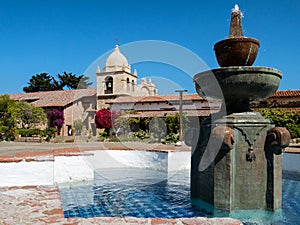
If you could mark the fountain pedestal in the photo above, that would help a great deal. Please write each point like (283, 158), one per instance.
(244, 172)
(236, 162)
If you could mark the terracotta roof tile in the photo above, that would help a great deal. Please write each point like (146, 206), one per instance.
(159, 98)
(63, 98)
(203, 112)
(54, 98)
(286, 93)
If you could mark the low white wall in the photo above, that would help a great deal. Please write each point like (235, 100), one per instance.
(81, 168)
(62, 169)
(179, 161)
(26, 173)
(291, 162)
(132, 159)
(72, 169)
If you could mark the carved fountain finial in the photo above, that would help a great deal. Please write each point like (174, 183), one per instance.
(236, 22)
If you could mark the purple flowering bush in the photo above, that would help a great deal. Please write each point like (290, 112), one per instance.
(56, 118)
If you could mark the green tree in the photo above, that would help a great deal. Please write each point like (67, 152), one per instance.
(173, 121)
(71, 81)
(29, 116)
(45, 82)
(8, 119)
(128, 123)
(158, 128)
(84, 82)
(42, 82)
(78, 126)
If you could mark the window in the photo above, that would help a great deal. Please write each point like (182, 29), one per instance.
(109, 85)
(128, 84)
(132, 82)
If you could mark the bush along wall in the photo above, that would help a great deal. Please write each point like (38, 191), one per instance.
(290, 119)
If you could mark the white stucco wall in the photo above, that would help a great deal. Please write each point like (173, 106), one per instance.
(179, 161)
(160, 161)
(81, 168)
(26, 173)
(72, 169)
(62, 169)
(133, 159)
(290, 162)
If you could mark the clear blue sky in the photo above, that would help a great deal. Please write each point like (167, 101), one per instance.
(66, 35)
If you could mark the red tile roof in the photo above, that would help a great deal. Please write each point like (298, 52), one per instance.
(202, 112)
(192, 97)
(159, 98)
(65, 97)
(286, 93)
(54, 98)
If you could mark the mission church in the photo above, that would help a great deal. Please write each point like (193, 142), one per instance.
(117, 89)
(115, 81)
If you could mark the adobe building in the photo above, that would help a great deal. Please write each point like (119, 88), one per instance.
(117, 89)
(288, 99)
(75, 104)
(115, 81)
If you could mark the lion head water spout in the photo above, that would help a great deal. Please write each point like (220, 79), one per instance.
(236, 164)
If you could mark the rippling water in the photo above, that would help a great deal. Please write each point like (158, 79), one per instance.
(146, 193)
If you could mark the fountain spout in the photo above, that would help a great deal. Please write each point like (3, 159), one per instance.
(236, 22)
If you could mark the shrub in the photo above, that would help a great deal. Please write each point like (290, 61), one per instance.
(29, 132)
(56, 118)
(105, 118)
(141, 134)
(290, 119)
(78, 126)
(48, 132)
(8, 118)
(114, 139)
(171, 138)
(103, 136)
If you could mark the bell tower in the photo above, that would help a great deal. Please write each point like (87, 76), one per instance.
(116, 80)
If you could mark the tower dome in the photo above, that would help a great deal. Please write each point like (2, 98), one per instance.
(116, 61)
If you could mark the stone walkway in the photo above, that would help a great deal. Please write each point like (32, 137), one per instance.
(17, 148)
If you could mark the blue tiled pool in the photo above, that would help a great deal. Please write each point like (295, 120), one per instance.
(146, 193)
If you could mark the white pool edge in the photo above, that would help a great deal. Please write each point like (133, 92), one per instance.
(81, 168)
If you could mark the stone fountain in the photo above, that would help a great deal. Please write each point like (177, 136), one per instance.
(236, 161)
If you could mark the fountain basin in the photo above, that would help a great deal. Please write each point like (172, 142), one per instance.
(238, 83)
(236, 51)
